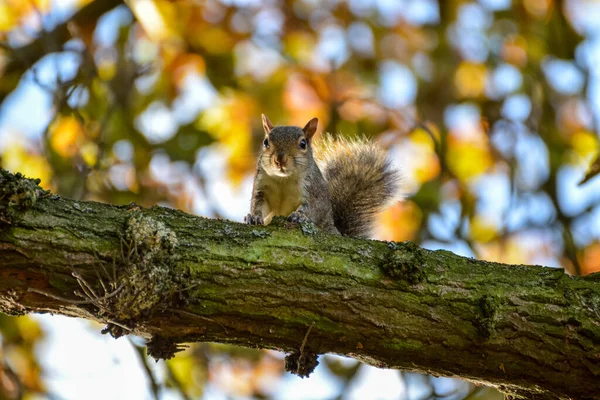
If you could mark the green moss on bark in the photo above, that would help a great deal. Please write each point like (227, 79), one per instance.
(486, 322)
(404, 262)
(17, 192)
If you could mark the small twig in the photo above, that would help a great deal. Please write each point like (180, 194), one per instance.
(143, 360)
(64, 299)
(103, 267)
(86, 293)
(188, 288)
(59, 298)
(197, 316)
(123, 243)
(299, 362)
(82, 295)
(110, 321)
(132, 248)
(101, 282)
(305, 340)
(137, 254)
(114, 269)
(84, 285)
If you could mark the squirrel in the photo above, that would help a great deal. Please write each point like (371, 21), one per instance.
(339, 185)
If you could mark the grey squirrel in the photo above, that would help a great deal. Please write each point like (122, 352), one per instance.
(339, 185)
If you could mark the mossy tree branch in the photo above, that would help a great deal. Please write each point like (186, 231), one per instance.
(171, 277)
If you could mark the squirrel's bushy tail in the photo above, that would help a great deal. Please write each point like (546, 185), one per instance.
(361, 181)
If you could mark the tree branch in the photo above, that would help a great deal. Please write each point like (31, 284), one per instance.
(526, 330)
(22, 58)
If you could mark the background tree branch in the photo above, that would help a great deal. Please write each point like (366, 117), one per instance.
(174, 278)
(22, 58)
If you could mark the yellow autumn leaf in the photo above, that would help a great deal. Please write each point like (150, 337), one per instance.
(185, 370)
(590, 261)
(593, 170)
(66, 135)
(40, 5)
(215, 40)
(481, 229)
(17, 158)
(584, 143)
(468, 159)
(184, 64)
(470, 79)
(230, 123)
(8, 19)
(399, 222)
(421, 137)
(89, 153)
(428, 169)
(29, 329)
(426, 165)
(302, 100)
(12, 12)
(107, 69)
(504, 251)
(300, 45)
(158, 18)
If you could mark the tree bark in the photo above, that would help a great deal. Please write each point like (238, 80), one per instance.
(530, 331)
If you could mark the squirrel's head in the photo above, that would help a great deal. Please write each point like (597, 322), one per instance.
(286, 149)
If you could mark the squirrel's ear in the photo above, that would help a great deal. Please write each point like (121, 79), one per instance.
(310, 128)
(267, 124)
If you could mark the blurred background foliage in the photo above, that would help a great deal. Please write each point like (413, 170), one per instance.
(491, 108)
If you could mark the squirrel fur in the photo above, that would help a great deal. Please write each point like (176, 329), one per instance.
(338, 184)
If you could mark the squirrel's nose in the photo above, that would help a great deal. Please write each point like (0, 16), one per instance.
(281, 160)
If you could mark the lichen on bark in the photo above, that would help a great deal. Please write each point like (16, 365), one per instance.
(17, 192)
(147, 275)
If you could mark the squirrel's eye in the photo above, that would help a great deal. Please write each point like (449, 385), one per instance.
(266, 143)
(303, 144)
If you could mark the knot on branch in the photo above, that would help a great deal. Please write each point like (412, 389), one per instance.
(10, 303)
(301, 363)
(404, 262)
(17, 192)
(595, 276)
(116, 331)
(160, 347)
(486, 322)
(309, 228)
(151, 238)
(588, 299)
(147, 276)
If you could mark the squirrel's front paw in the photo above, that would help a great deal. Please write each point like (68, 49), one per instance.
(253, 219)
(298, 217)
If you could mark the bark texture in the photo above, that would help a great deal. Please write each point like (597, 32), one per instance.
(171, 277)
